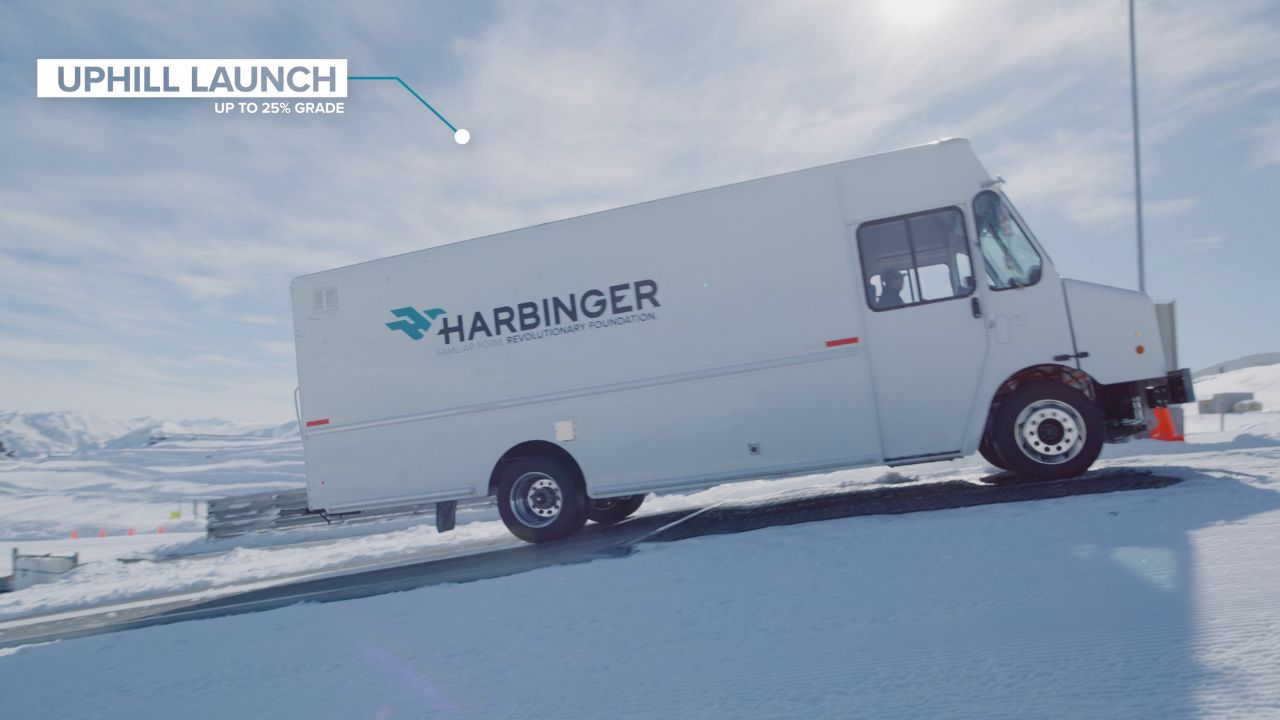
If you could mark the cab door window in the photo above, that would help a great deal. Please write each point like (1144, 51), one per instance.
(1010, 260)
(915, 259)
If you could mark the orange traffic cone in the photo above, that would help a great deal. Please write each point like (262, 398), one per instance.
(1164, 429)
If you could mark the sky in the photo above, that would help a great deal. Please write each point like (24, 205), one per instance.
(146, 246)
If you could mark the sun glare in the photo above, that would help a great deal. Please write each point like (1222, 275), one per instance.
(912, 15)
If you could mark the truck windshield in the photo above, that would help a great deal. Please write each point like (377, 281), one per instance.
(1011, 260)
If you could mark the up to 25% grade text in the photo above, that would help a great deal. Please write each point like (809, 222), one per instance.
(250, 107)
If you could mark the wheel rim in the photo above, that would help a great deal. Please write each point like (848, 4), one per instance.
(1050, 432)
(536, 499)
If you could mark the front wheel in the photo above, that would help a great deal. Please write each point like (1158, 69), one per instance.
(987, 450)
(607, 511)
(1047, 431)
(540, 499)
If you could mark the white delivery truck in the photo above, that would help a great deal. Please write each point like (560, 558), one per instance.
(892, 309)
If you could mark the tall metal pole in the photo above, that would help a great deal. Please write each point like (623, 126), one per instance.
(1137, 149)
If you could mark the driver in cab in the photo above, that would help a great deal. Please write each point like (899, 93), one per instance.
(890, 289)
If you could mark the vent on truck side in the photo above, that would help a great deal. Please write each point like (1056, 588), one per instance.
(324, 299)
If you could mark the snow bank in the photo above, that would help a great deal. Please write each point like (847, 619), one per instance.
(1263, 382)
(107, 582)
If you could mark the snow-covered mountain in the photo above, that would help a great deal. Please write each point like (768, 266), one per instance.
(29, 435)
(1246, 361)
(59, 433)
(157, 431)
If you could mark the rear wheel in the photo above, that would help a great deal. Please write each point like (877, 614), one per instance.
(1047, 431)
(607, 511)
(540, 499)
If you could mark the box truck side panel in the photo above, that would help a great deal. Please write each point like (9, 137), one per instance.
(743, 424)
(743, 287)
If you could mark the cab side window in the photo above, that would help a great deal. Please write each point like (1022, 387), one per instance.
(915, 259)
(1011, 261)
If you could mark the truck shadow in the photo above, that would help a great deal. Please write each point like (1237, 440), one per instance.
(895, 500)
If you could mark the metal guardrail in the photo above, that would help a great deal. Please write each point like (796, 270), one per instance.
(284, 509)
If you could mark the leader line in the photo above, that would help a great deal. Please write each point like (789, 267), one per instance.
(460, 135)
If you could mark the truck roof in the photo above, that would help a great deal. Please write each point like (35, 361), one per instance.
(914, 149)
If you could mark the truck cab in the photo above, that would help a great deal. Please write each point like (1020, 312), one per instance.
(965, 292)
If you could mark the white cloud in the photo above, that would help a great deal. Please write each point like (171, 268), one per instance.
(223, 360)
(1266, 141)
(1085, 175)
(1210, 242)
(277, 347)
(259, 319)
(1167, 208)
(1205, 57)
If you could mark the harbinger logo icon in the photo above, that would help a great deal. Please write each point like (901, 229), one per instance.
(415, 324)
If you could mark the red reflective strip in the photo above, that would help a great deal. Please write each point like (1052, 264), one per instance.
(842, 341)
(313, 423)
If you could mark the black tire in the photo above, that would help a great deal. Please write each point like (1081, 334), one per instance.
(607, 511)
(540, 499)
(1047, 431)
(989, 453)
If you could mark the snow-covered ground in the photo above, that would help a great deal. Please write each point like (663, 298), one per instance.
(72, 474)
(1155, 603)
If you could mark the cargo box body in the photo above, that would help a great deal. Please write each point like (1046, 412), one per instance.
(717, 335)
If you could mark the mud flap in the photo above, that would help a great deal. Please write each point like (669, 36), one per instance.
(446, 515)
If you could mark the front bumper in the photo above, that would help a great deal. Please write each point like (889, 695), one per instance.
(1128, 407)
(1181, 389)
(1175, 388)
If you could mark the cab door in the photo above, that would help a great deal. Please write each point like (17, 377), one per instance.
(926, 335)
(1023, 299)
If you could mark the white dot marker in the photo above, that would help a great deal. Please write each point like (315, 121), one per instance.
(462, 137)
